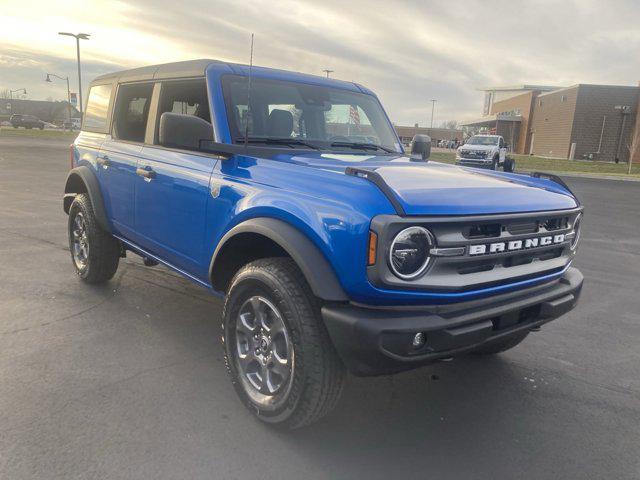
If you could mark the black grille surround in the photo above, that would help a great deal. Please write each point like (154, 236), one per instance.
(473, 154)
(454, 269)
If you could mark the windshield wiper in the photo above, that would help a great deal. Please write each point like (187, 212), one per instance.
(279, 141)
(363, 146)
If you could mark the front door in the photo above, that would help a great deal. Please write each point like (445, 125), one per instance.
(171, 199)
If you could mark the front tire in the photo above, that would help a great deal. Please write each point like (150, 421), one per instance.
(281, 361)
(95, 253)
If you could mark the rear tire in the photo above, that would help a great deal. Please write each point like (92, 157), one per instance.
(502, 345)
(95, 254)
(278, 353)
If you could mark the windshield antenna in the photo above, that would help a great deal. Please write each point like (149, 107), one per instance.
(246, 126)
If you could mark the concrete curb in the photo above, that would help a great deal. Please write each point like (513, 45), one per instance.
(596, 177)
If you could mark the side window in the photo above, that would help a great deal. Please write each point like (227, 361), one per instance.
(131, 111)
(95, 115)
(187, 97)
(501, 142)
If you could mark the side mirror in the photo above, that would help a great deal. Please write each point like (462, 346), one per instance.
(420, 147)
(183, 131)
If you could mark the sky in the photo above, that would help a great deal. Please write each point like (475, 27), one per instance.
(407, 51)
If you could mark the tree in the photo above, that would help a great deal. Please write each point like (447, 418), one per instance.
(449, 124)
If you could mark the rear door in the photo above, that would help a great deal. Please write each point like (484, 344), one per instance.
(172, 190)
(120, 153)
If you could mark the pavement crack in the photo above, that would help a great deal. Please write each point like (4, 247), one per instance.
(36, 239)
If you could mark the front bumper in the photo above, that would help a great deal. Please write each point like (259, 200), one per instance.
(475, 162)
(377, 341)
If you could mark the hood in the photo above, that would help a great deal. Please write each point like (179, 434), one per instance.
(432, 188)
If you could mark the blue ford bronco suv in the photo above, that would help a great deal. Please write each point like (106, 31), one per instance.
(291, 196)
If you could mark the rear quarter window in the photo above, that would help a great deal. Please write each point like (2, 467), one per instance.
(96, 113)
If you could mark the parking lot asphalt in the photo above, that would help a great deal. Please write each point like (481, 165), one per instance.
(127, 380)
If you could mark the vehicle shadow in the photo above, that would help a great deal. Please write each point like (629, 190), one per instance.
(440, 419)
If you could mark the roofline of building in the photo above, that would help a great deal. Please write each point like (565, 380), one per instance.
(577, 85)
(517, 87)
(488, 119)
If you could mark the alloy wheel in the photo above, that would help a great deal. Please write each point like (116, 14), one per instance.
(79, 241)
(264, 352)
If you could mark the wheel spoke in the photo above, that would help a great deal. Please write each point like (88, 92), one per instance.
(259, 309)
(246, 324)
(271, 382)
(281, 368)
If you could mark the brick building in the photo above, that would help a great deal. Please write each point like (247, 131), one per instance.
(585, 121)
(582, 121)
(507, 111)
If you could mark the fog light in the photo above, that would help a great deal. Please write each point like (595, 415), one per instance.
(418, 340)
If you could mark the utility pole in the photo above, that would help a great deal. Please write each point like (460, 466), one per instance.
(433, 107)
(78, 37)
(327, 71)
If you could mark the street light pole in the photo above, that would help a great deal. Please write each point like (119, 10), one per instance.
(49, 75)
(433, 106)
(78, 37)
(327, 71)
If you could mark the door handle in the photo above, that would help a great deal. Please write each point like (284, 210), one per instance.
(147, 173)
(103, 161)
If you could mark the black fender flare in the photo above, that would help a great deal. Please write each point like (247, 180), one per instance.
(313, 264)
(80, 180)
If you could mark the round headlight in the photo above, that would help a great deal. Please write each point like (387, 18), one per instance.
(409, 252)
(576, 231)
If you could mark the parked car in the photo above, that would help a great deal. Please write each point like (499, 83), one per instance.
(26, 121)
(71, 124)
(291, 197)
(485, 151)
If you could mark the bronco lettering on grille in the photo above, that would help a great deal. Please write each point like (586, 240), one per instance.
(513, 245)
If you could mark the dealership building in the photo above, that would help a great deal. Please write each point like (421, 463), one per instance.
(581, 121)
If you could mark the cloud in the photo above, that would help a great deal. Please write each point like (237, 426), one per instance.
(408, 51)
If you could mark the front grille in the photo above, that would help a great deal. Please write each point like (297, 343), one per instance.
(473, 154)
(522, 254)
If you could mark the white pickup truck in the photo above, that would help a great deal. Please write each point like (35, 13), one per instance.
(485, 151)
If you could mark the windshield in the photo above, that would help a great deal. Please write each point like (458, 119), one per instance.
(301, 115)
(479, 140)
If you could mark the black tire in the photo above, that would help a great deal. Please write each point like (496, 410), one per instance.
(509, 165)
(314, 387)
(496, 163)
(41, 127)
(501, 345)
(102, 252)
